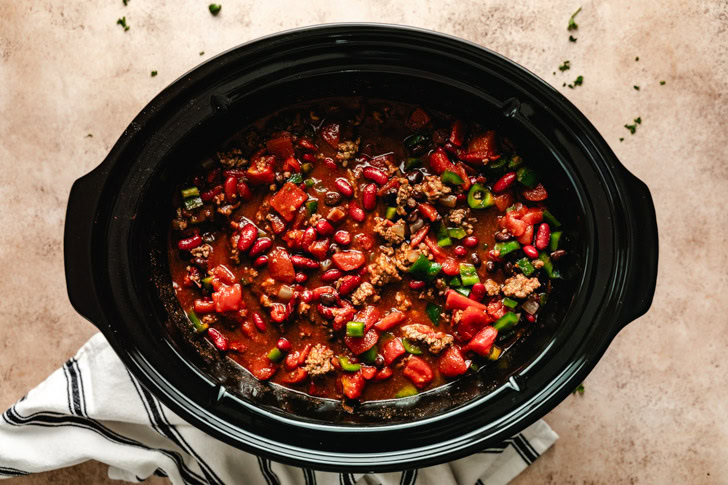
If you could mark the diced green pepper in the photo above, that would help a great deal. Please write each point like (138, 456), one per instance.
(309, 182)
(355, 329)
(391, 213)
(463, 291)
(527, 177)
(433, 270)
(525, 266)
(199, 326)
(495, 353)
(443, 237)
(406, 391)
(514, 162)
(548, 266)
(190, 192)
(411, 163)
(311, 206)
(504, 248)
(506, 321)
(449, 177)
(543, 298)
(496, 167)
(555, 239)
(479, 197)
(509, 302)
(370, 355)
(475, 367)
(420, 267)
(468, 274)
(444, 242)
(549, 217)
(296, 178)
(275, 355)
(455, 282)
(456, 232)
(433, 312)
(410, 347)
(307, 168)
(347, 365)
(207, 282)
(414, 140)
(193, 203)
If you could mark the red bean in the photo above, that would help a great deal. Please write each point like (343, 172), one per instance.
(530, 251)
(204, 306)
(342, 237)
(231, 189)
(301, 277)
(365, 241)
(308, 157)
(331, 275)
(189, 243)
(470, 241)
(530, 317)
(260, 261)
(369, 197)
(477, 292)
(307, 296)
(248, 234)
(303, 262)
(306, 144)
(543, 236)
(343, 186)
(416, 285)
(356, 212)
(324, 227)
(349, 283)
(244, 191)
(283, 344)
(259, 322)
(330, 164)
(460, 251)
(213, 175)
(375, 175)
(309, 236)
(322, 290)
(504, 182)
(220, 341)
(261, 245)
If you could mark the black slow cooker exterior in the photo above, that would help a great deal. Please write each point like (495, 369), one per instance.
(117, 272)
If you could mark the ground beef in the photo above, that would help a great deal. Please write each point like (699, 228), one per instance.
(227, 209)
(203, 251)
(458, 216)
(347, 150)
(405, 256)
(435, 341)
(492, 288)
(384, 270)
(180, 222)
(365, 290)
(209, 318)
(519, 286)
(392, 233)
(537, 263)
(403, 303)
(432, 188)
(318, 361)
(234, 251)
(403, 193)
(232, 159)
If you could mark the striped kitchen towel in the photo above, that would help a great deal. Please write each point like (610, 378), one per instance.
(93, 408)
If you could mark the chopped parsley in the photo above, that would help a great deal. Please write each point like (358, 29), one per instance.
(215, 8)
(579, 389)
(577, 82)
(122, 22)
(202, 53)
(90, 135)
(662, 83)
(621, 139)
(572, 38)
(633, 127)
(638, 120)
(573, 25)
(636, 88)
(126, 2)
(154, 73)
(636, 59)
(565, 66)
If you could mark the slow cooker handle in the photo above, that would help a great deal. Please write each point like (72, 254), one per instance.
(81, 219)
(644, 249)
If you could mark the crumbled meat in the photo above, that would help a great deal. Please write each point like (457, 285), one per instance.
(432, 188)
(435, 341)
(383, 270)
(458, 216)
(318, 361)
(180, 222)
(203, 251)
(234, 251)
(405, 256)
(227, 209)
(209, 318)
(194, 275)
(218, 199)
(303, 308)
(457, 316)
(232, 159)
(537, 263)
(269, 286)
(520, 286)
(492, 288)
(313, 219)
(403, 303)
(263, 210)
(265, 301)
(403, 193)
(365, 290)
(347, 150)
(392, 233)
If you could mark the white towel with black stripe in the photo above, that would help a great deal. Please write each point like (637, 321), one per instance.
(93, 408)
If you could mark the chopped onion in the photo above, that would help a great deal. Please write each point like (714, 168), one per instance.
(285, 292)
(398, 229)
(325, 264)
(530, 306)
(448, 200)
(417, 225)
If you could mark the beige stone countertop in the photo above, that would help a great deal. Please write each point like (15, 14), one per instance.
(655, 408)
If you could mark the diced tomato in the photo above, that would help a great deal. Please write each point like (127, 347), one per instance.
(287, 200)
(451, 267)
(343, 315)
(503, 201)
(349, 260)
(392, 350)
(248, 329)
(228, 298)
(418, 119)
(369, 316)
(460, 170)
(390, 320)
(457, 301)
(496, 309)
(527, 236)
(483, 341)
(330, 133)
(533, 215)
(262, 368)
(485, 144)
(428, 211)
(452, 363)
(437, 252)
(472, 321)
(368, 372)
(293, 238)
(384, 373)
(457, 133)
(204, 306)
(278, 312)
(440, 162)
(352, 384)
(514, 224)
(298, 375)
(418, 371)
(280, 145)
(536, 194)
(238, 346)
(359, 345)
(224, 274)
(261, 171)
(280, 266)
(318, 249)
(291, 165)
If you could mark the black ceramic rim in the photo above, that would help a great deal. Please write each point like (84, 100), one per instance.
(617, 287)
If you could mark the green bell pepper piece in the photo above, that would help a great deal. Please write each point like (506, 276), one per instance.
(548, 266)
(355, 329)
(549, 217)
(449, 177)
(479, 197)
(406, 391)
(391, 213)
(504, 248)
(193, 203)
(311, 206)
(555, 239)
(525, 266)
(527, 177)
(309, 182)
(420, 267)
(514, 162)
(275, 355)
(296, 178)
(410, 347)
(370, 355)
(307, 168)
(347, 365)
(411, 163)
(433, 312)
(468, 274)
(433, 270)
(414, 140)
(456, 232)
(190, 192)
(455, 282)
(199, 326)
(509, 302)
(506, 321)
(463, 291)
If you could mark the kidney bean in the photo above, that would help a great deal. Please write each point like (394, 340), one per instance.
(343, 186)
(558, 254)
(325, 311)
(375, 175)
(530, 317)
(209, 194)
(261, 245)
(324, 227)
(369, 197)
(189, 243)
(332, 198)
(248, 234)
(356, 212)
(329, 299)
(220, 341)
(260, 261)
(470, 241)
(204, 306)
(365, 241)
(308, 157)
(283, 344)
(317, 292)
(530, 251)
(416, 285)
(502, 236)
(504, 182)
(213, 175)
(330, 164)
(543, 236)
(342, 237)
(306, 296)
(309, 236)
(349, 283)
(301, 277)
(303, 262)
(477, 292)
(331, 275)
(231, 189)
(278, 312)
(460, 251)
(306, 144)
(244, 191)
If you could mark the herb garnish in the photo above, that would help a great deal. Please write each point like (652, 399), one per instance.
(577, 82)
(573, 25)
(215, 8)
(126, 2)
(662, 83)
(636, 88)
(565, 66)
(621, 139)
(90, 135)
(202, 53)
(636, 59)
(579, 389)
(572, 38)
(633, 128)
(154, 73)
(122, 22)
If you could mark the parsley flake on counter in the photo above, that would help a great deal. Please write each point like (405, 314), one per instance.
(579, 389)
(621, 139)
(202, 53)
(154, 73)
(638, 120)
(565, 66)
(633, 127)
(572, 38)
(662, 83)
(90, 135)
(122, 22)
(126, 2)
(573, 25)
(577, 82)
(215, 8)
(636, 88)
(636, 59)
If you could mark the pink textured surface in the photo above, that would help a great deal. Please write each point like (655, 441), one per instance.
(655, 407)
